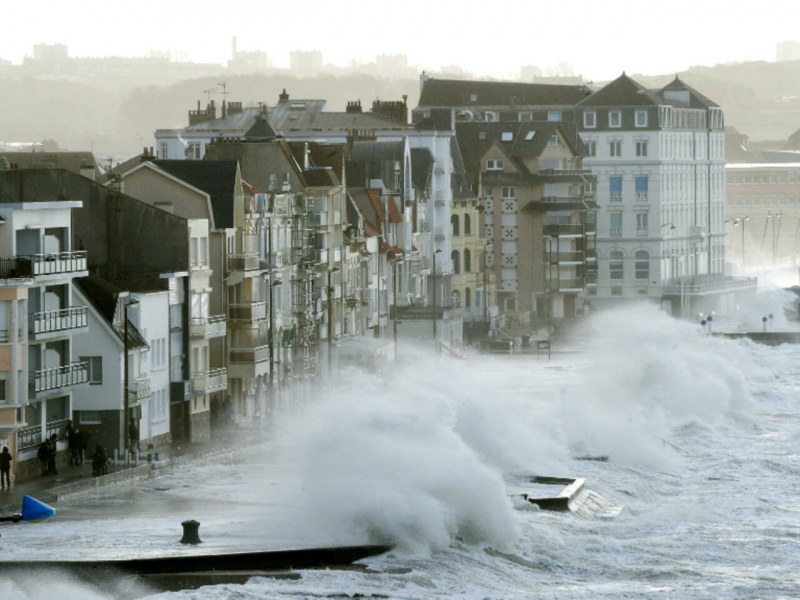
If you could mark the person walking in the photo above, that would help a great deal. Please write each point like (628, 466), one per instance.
(44, 456)
(5, 468)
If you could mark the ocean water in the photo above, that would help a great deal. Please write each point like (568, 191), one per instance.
(688, 444)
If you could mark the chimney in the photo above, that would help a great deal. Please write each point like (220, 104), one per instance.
(353, 106)
(284, 97)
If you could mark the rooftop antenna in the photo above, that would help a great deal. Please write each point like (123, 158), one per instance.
(209, 92)
(224, 89)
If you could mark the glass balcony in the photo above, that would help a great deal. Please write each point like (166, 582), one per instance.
(209, 327)
(213, 380)
(247, 311)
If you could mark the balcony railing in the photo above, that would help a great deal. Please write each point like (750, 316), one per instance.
(570, 230)
(247, 311)
(139, 391)
(245, 261)
(30, 437)
(615, 196)
(209, 327)
(59, 377)
(566, 284)
(214, 380)
(615, 232)
(567, 256)
(60, 320)
(249, 355)
(58, 262)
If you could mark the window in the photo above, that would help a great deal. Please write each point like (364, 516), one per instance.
(529, 136)
(508, 192)
(642, 265)
(491, 116)
(456, 298)
(641, 118)
(615, 119)
(163, 151)
(507, 136)
(641, 187)
(615, 265)
(467, 261)
(454, 257)
(3, 391)
(467, 298)
(481, 135)
(615, 148)
(554, 140)
(641, 223)
(615, 229)
(473, 97)
(554, 115)
(467, 225)
(591, 148)
(525, 115)
(590, 119)
(641, 147)
(615, 188)
(194, 151)
(454, 225)
(495, 164)
(95, 369)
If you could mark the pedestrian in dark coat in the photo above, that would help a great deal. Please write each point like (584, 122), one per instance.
(5, 468)
(44, 456)
(51, 459)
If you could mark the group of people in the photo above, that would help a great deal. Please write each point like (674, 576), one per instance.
(47, 455)
(78, 443)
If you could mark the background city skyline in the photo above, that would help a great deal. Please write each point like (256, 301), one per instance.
(597, 41)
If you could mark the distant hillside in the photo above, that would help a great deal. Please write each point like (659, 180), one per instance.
(761, 100)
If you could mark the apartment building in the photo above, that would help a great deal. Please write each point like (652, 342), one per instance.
(39, 318)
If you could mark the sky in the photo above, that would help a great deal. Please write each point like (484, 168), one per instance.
(595, 39)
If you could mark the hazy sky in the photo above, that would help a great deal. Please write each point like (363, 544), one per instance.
(598, 38)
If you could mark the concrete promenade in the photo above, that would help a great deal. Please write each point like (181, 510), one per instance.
(78, 479)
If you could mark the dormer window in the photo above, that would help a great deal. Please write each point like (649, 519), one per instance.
(554, 115)
(495, 164)
(615, 118)
(554, 140)
(491, 116)
(590, 119)
(641, 118)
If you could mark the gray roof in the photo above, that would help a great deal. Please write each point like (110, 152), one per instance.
(623, 91)
(215, 177)
(450, 92)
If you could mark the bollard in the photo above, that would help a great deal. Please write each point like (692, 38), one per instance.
(190, 534)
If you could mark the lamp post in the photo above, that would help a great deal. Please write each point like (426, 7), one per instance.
(395, 258)
(273, 284)
(126, 383)
(433, 301)
(329, 288)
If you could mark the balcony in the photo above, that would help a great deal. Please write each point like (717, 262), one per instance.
(59, 378)
(247, 312)
(318, 219)
(566, 257)
(247, 363)
(206, 328)
(213, 380)
(244, 261)
(55, 321)
(566, 284)
(139, 391)
(58, 263)
(573, 230)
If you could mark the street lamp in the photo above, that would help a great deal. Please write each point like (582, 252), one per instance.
(275, 283)
(433, 302)
(331, 270)
(126, 376)
(395, 258)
